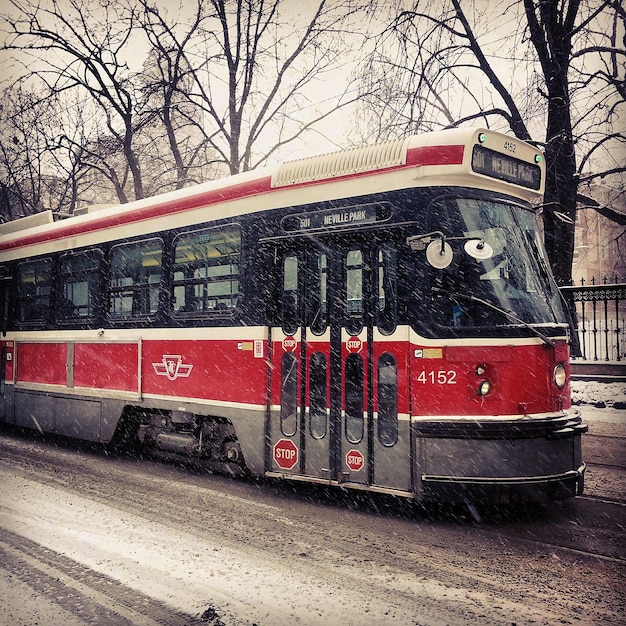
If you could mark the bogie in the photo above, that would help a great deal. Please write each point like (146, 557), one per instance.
(180, 434)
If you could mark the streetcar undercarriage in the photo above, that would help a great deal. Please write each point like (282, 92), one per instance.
(211, 441)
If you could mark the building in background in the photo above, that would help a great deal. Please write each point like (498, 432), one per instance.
(600, 242)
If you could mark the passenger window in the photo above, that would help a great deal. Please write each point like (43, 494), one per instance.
(206, 270)
(135, 279)
(289, 395)
(354, 291)
(387, 400)
(318, 395)
(289, 299)
(34, 289)
(387, 301)
(79, 282)
(318, 301)
(354, 403)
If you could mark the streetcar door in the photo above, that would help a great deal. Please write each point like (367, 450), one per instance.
(300, 434)
(374, 446)
(338, 364)
(5, 353)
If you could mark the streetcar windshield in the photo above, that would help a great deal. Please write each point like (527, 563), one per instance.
(489, 270)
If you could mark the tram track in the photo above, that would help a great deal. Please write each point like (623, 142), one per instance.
(44, 458)
(92, 597)
(604, 500)
(617, 466)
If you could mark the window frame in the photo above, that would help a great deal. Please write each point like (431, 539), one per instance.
(190, 284)
(136, 290)
(93, 278)
(34, 299)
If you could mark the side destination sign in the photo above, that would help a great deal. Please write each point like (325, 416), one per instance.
(504, 167)
(338, 218)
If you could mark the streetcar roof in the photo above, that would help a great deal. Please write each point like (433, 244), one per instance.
(428, 157)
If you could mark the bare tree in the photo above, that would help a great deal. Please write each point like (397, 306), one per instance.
(166, 83)
(82, 46)
(259, 76)
(568, 83)
(175, 95)
(36, 173)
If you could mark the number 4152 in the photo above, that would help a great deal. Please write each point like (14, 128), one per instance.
(438, 377)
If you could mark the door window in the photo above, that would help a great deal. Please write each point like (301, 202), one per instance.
(386, 279)
(387, 400)
(354, 291)
(318, 395)
(353, 389)
(289, 394)
(318, 293)
(289, 299)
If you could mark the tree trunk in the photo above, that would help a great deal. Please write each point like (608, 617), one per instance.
(551, 35)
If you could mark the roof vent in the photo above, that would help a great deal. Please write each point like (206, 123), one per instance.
(30, 221)
(344, 163)
(91, 208)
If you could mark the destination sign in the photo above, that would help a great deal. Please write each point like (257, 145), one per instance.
(504, 167)
(341, 217)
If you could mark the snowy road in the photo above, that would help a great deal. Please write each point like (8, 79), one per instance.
(87, 539)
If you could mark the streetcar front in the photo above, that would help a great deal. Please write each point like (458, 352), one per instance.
(490, 396)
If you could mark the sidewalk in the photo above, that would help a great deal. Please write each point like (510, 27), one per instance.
(598, 394)
(602, 406)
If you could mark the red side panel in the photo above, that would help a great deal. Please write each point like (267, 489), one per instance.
(43, 363)
(226, 371)
(106, 366)
(9, 359)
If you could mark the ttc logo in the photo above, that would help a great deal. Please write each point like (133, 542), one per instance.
(172, 366)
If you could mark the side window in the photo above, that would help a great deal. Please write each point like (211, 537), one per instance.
(34, 290)
(79, 283)
(387, 300)
(6, 293)
(206, 270)
(135, 279)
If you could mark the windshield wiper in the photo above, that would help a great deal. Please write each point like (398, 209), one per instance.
(504, 312)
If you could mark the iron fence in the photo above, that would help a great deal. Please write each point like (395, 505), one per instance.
(598, 313)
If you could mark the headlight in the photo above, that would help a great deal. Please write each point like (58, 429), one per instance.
(559, 376)
(484, 387)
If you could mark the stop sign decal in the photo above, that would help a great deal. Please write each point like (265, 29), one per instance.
(355, 460)
(354, 345)
(285, 454)
(290, 344)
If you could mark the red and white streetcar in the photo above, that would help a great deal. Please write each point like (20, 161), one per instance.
(382, 318)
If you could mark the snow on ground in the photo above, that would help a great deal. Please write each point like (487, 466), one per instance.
(189, 572)
(602, 406)
(600, 395)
